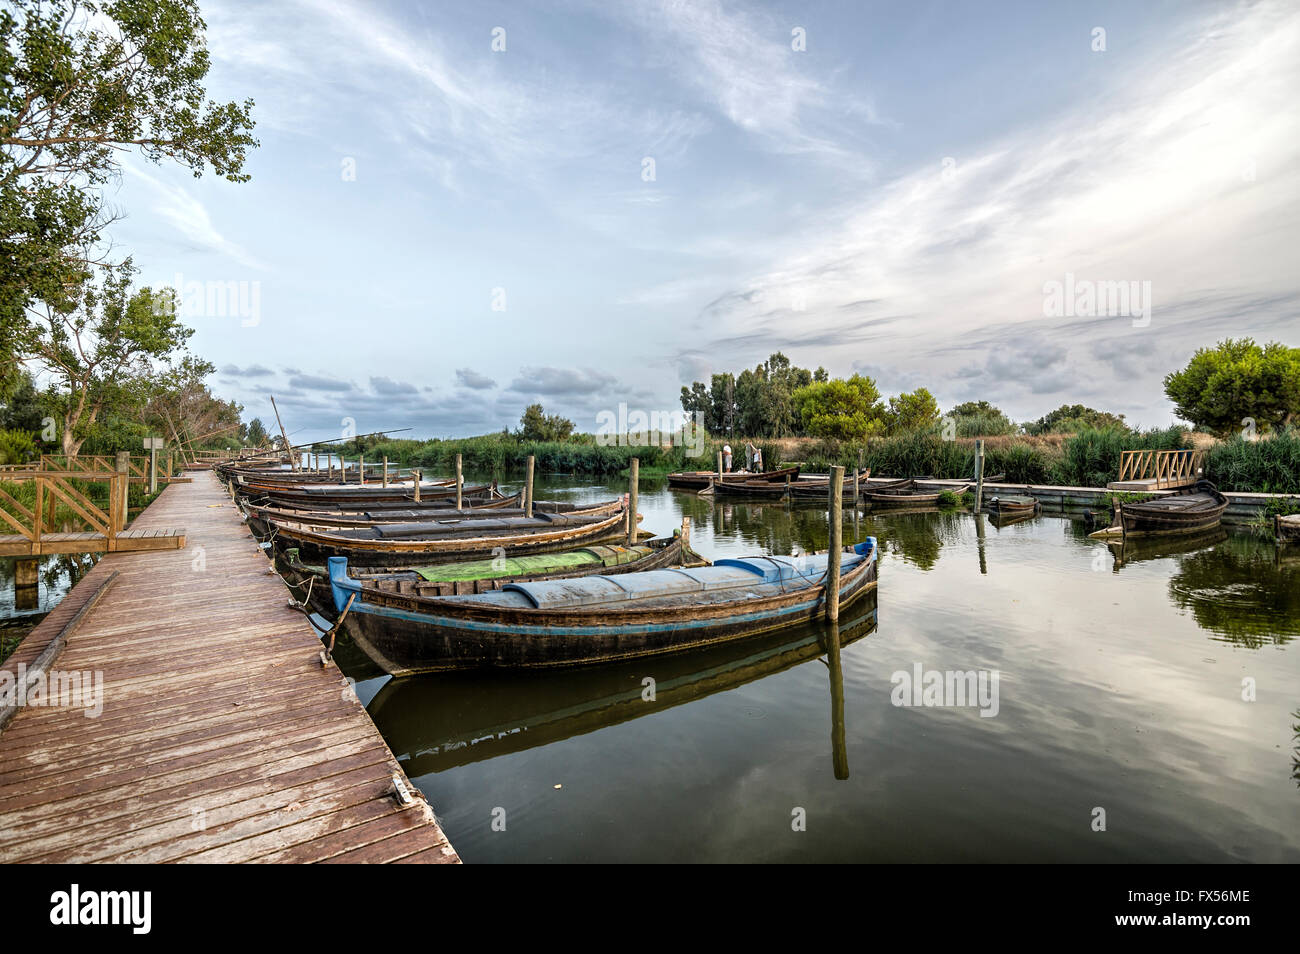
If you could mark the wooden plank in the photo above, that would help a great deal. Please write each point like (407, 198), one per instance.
(214, 697)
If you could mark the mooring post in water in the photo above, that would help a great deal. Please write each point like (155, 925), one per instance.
(415, 476)
(385, 477)
(633, 486)
(857, 487)
(836, 504)
(361, 468)
(719, 466)
(979, 475)
(460, 481)
(839, 751)
(528, 489)
(686, 533)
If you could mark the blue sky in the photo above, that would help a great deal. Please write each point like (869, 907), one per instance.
(890, 199)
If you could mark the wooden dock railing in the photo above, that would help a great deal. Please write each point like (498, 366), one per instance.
(1172, 468)
(52, 487)
(36, 533)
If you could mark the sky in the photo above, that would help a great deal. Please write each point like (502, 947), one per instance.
(460, 209)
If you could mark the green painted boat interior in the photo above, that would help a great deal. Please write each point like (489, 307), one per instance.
(536, 564)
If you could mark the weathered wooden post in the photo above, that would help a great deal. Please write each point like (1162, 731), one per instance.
(385, 471)
(528, 488)
(124, 468)
(460, 482)
(836, 503)
(979, 475)
(719, 466)
(361, 468)
(415, 481)
(633, 482)
(686, 534)
(170, 471)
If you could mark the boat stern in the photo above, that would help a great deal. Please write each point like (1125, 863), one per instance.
(342, 586)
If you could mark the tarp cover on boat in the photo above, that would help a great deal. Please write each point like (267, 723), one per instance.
(739, 574)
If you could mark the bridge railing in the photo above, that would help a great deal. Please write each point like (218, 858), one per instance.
(1168, 468)
(53, 488)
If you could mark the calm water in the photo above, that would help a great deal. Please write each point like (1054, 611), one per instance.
(1121, 680)
(1120, 687)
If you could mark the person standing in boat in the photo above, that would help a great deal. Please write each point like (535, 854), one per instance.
(726, 458)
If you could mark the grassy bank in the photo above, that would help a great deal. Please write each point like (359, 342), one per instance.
(1089, 458)
(503, 456)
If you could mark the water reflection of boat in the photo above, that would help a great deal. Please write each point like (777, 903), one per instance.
(1141, 549)
(443, 720)
(1000, 519)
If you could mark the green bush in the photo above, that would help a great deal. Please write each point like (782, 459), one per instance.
(1270, 465)
(16, 447)
(1092, 456)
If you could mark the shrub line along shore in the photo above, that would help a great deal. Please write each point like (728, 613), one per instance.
(1089, 458)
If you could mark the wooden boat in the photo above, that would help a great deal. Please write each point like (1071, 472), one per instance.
(1188, 511)
(819, 488)
(1009, 504)
(751, 489)
(584, 620)
(337, 496)
(905, 493)
(699, 479)
(480, 576)
(1286, 528)
(437, 541)
(441, 721)
(485, 501)
(260, 515)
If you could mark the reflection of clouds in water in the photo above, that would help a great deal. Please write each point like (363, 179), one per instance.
(1113, 693)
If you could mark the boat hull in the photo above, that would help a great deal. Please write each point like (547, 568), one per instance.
(1160, 517)
(405, 640)
(699, 479)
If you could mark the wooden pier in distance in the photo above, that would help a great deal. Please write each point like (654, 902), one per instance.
(222, 737)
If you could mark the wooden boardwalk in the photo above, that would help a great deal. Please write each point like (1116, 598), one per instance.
(222, 738)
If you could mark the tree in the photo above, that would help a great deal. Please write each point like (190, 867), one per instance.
(80, 83)
(842, 410)
(1071, 418)
(101, 351)
(975, 408)
(913, 411)
(695, 400)
(20, 405)
(179, 402)
(256, 435)
(1226, 387)
(980, 419)
(722, 403)
(537, 425)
